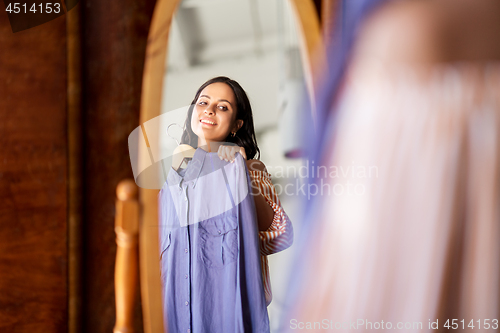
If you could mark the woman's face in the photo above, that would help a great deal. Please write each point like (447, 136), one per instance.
(214, 114)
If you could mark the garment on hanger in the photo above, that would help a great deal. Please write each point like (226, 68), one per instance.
(209, 249)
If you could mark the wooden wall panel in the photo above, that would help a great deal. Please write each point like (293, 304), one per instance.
(33, 170)
(114, 44)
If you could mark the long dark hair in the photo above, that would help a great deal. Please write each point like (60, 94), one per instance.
(245, 136)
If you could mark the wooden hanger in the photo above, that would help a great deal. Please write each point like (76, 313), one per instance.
(182, 153)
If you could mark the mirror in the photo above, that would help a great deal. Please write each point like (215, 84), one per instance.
(266, 46)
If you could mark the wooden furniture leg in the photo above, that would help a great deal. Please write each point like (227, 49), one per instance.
(126, 267)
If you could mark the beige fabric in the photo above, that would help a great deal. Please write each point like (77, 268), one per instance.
(418, 237)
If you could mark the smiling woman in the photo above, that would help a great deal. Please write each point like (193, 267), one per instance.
(220, 120)
(220, 112)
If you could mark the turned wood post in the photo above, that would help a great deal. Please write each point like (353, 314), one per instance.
(126, 266)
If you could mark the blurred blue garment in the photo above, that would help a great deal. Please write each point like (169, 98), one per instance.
(319, 135)
(210, 264)
(350, 17)
(321, 131)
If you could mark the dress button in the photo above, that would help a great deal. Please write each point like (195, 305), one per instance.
(185, 199)
(189, 330)
(186, 250)
(187, 303)
(219, 232)
(186, 276)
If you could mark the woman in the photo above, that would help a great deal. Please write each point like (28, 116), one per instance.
(220, 120)
(417, 248)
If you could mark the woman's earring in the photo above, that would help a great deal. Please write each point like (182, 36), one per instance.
(233, 134)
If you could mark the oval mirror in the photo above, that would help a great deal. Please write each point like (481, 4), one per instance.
(267, 47)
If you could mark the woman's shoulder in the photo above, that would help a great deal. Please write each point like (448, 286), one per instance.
(427, 32)
(400, 32)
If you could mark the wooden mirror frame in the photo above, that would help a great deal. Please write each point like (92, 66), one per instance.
(313, 56)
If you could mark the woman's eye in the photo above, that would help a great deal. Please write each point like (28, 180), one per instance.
(202, 103)
(222, 107)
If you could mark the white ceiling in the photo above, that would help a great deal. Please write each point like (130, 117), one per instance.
(207, 30)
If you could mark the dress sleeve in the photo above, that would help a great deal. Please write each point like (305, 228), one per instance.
(279, 236)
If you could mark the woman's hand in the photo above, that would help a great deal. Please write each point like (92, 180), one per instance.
(227, 152)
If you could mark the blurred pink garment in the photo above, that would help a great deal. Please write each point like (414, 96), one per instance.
(408, 229)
